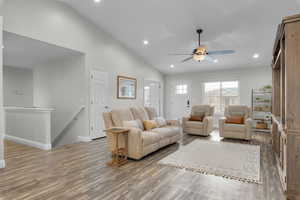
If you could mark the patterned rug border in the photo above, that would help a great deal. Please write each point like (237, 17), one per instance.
(207, 172)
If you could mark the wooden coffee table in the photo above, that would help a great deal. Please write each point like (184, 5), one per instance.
(119, 154)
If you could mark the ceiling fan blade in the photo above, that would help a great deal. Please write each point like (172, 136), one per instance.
(222, 52)
(187, 59)
(180, 54)
(209, 58)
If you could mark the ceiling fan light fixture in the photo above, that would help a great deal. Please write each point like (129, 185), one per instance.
(256, 55)
(198, 57)
(200, 53)
(145, 42)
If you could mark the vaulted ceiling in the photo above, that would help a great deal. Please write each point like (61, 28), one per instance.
(246, 26)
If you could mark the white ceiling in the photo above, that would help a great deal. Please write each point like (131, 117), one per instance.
(25, 52)
(246, 26)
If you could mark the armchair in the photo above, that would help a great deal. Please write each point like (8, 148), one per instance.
(236, 131)
(203, 128)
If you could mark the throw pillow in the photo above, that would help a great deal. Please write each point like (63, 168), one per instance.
(160, 121)
(132, 124)
(149, 124)
(141, 125)
(196, 118)
(234, 120)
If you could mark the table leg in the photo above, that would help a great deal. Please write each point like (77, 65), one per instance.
(114, 161)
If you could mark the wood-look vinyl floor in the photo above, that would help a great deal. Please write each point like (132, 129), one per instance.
(78, 171)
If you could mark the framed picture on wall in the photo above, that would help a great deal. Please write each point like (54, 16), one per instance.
(126, 87)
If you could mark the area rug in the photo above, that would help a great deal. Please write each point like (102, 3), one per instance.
(229, 160)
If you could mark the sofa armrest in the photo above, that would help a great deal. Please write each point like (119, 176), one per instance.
(208, 124)
(173, 123)
(248, 124)
(133, 140)
(222, 121)
(184, 120)
(135, 143)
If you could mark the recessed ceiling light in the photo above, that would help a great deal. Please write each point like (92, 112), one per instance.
(97, 1)
(256, 55)
(216, 60)
(172, 66)
(146, 42)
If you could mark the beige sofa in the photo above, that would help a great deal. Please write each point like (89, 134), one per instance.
(203, 128)
(141, 142)
(236, 131)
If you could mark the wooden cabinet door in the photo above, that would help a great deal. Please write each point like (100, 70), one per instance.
(281, 152)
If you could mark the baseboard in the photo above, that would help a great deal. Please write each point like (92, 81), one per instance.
(2, 164)
(28, 142)
(84, 139)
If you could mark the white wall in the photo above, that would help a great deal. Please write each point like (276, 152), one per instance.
(54, 22)
(60, 84)
(29, 126)
(18, 86)
(248, 79)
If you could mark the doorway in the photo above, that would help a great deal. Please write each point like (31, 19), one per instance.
(152, 95)
(180, 103)
(44, 92)
(98, 102)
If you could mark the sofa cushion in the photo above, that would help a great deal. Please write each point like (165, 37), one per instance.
(174, 128)
(140, 113)
(237, 114)
(165, 132)
(194, 124)
(150, 137)
(133, 124)
(120, 115)
(234, 127)
(201, 110)
(235, 110)
(151, 112)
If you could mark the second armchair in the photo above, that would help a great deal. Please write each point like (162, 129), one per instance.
(230, 128)
(203, 126)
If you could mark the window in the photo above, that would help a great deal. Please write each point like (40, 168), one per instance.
(181, 89)
(221, 94)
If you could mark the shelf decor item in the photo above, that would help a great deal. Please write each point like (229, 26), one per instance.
(261, 109)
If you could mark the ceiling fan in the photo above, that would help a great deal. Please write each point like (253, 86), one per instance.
(200, 53)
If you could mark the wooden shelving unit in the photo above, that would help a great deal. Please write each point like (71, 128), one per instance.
(261, 110)
(285, 104)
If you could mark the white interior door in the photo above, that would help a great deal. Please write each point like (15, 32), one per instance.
(179, 105)
(152, 95)
(98, 102)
